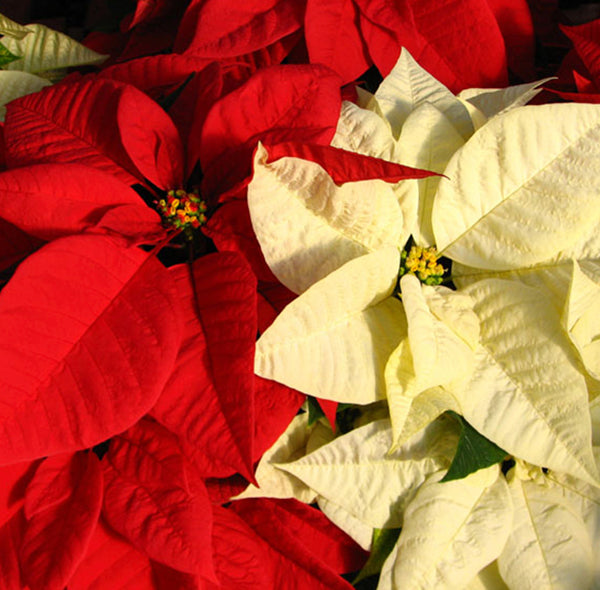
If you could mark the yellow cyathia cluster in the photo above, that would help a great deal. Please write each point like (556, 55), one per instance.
(423, 263)
(182, 210)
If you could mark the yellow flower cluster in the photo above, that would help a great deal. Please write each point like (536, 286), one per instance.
(423, 263)
(183, 210)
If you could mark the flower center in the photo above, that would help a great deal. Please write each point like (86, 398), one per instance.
(182, 210)
(423, 263)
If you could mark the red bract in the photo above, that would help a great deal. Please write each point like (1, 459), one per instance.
(278, 104)
(516, 25)
(296, 551)
(469, 53)
(149, 500)
(11, 535)
(211, 30)
(209, 399)
(62, 506)
(69, 123)
(88, 334)
(333, 37)
(151, 139)
(57, 200)
(111, 563)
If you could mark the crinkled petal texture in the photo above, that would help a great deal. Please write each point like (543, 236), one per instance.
(89, 331)
(582, 314)
(149, 499)
(61, 125)
(62, 506)
(443, 333)
(526, 393)
(549, 546)
(516, 193)
(277, 483)
(358, 473)
(308, 227)
(451, 531)
(334, 340)
(56, 200)
(209, 398)
(45, 49)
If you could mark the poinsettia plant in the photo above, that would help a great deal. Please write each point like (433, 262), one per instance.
(261, 327)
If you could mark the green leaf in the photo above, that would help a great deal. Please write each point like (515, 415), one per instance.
(6, 56)
(381, 546)
(474, 452)
(314, 410)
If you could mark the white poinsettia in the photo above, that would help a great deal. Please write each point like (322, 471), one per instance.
(513, 349)
(32, 56)
(515, 198)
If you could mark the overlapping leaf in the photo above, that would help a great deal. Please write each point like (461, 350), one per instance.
(442, 50)
(526, 393)
(209, 399)
(334, 341)
(247, 28)
(149, 501)
(111, 563)
(16, 84)
(451, 531)
(64, 199)
(62, 507)
(333, 37)
(295, 564)
(308, 227)
(280, 103)
(89, 333)
(61, 125)
(151, 139)
(549, 545)
(358, 473)
(515, 170)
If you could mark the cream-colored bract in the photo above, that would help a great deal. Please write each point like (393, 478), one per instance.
(334, 340)
(10, 28)
(516, 194)
(16, 84)
(40, 50)
(356, 471)
(549, 546)
(526, 393)
(308, 226)
(45, 49)
(451, 531)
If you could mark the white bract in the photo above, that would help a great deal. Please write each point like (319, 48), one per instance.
(514, 349)
(43, 55)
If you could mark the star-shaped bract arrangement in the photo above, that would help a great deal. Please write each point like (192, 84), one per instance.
(511, 347)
